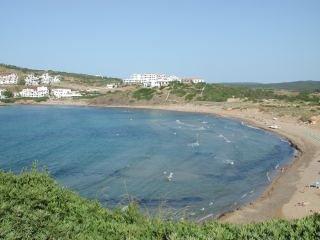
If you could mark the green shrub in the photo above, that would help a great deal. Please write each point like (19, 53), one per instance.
(144, 93)
(41, 99)
(189, 96)
(179, 92)
(8, 94)
(8, 100)
(34, 206)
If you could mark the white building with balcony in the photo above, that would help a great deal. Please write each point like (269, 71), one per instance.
(9, 79)
(32, 80)
(64, 93)
(34, 93)
(150, 79)
(47, 79)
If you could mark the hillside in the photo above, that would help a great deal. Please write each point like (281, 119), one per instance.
(297, 99)
(34, 206)
(220, 93)
(71, 78)
(299, 86)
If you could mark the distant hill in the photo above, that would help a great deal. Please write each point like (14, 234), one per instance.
(299, 86)
(71, 77)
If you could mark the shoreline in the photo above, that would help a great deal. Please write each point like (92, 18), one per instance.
(287, 189)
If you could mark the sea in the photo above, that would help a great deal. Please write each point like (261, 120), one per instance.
(172, 164)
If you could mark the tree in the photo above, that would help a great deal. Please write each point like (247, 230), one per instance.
(8, 94)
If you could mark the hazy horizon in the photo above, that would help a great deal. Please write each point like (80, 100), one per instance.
(238, 41)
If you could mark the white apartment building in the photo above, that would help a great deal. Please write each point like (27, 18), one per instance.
(192, 80)
(8, 79)
(134, 79)
(32, 80)
(150, 79)
(43, 91)
(47, 79)
(34, 93)
(64, 93)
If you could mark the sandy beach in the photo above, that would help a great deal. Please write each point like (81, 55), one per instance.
(289, 195)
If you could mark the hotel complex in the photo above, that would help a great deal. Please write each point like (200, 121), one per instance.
(32, 80)
(39, 91)
(157, 80)
(39, 86)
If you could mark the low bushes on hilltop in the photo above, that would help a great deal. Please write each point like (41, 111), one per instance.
(34, 206)
(144, 93)
(221, 93)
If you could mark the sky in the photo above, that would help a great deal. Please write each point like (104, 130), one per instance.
(218, 40)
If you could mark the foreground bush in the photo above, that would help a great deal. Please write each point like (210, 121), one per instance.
(34, 206)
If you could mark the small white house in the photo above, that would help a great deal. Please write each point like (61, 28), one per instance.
(34, 93)
(8, 79)
(64, 93)
(197, 80)
(1, 93)
(152, 84)
(111, 86)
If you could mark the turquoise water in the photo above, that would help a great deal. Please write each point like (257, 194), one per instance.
(110, 154)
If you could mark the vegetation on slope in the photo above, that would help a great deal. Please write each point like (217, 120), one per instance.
(33, 206)
(193, 92)
(71, 77)
(86, 79)
(221, 93)
(299, 86)
(144, 93)
(217, 92)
